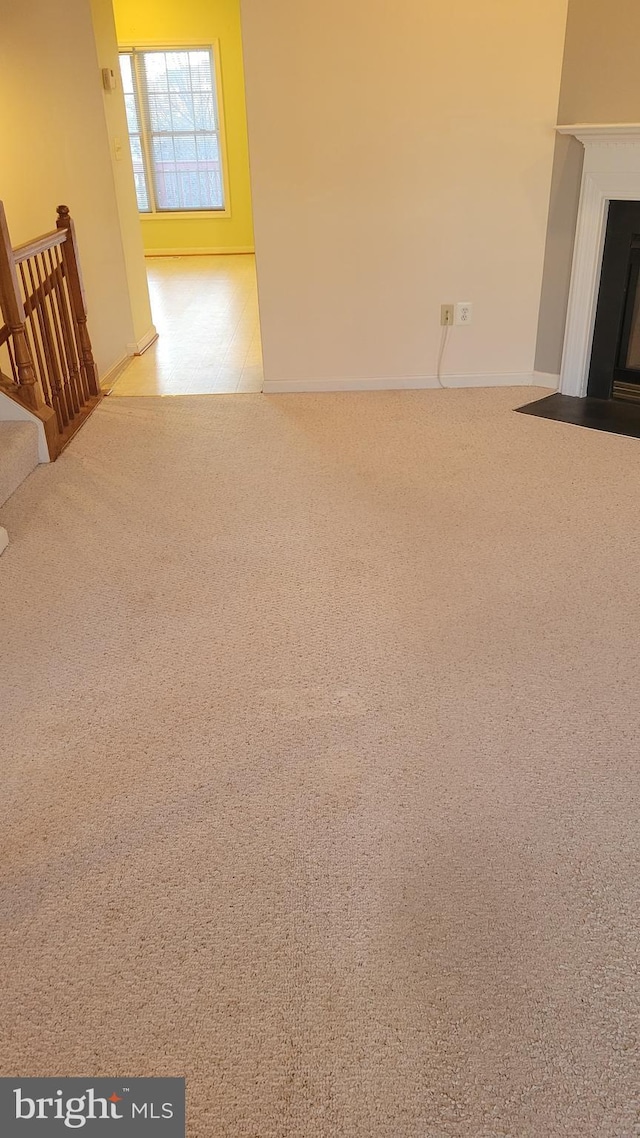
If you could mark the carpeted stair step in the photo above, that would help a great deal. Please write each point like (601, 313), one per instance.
(18, 455)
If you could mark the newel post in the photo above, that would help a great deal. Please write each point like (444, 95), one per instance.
(14, 316)
(71, 261)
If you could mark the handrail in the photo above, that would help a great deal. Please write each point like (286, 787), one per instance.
(39, 245)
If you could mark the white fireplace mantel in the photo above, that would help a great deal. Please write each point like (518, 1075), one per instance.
(611, 173)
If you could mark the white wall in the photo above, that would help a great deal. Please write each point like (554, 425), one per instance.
(116, 119)
(600, 70)
(55, 148)
(561, 232)
(401, 155)
(599, 85)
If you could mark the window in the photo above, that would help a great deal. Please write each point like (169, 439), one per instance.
(174, 129)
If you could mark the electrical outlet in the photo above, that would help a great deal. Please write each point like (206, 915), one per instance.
(464, 312)
(446, 314)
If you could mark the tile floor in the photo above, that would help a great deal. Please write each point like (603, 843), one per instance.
(206, 311)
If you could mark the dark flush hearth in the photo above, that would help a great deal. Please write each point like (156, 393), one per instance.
(612, 402)
(615, 358)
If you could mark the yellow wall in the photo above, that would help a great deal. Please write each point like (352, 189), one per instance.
(141, 22)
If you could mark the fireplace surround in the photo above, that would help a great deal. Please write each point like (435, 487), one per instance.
(611, 173)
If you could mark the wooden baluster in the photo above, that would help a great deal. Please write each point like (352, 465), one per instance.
(71, 261)
(31, 311)
(67, 327)
(47, 369)
(56, 320)
(12, 362)
(64, 411)
(14, 315)
(82, 384)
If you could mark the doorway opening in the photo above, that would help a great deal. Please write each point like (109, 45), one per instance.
(206, 312)
(182, 78)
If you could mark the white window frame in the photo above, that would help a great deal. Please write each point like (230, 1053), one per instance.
(181, 45)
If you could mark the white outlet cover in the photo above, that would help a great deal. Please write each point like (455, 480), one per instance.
(464, 312)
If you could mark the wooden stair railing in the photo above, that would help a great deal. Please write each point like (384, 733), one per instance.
(44, 339)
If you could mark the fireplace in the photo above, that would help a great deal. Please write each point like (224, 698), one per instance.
(602, 343)
(601, 355)
(614, 371)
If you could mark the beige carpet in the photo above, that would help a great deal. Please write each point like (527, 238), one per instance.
(320, 749)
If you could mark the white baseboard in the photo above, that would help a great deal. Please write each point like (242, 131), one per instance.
(546, 379)
(110, 377)
(149, 338)
(403, 383)
(12, 412)
(203, 251)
